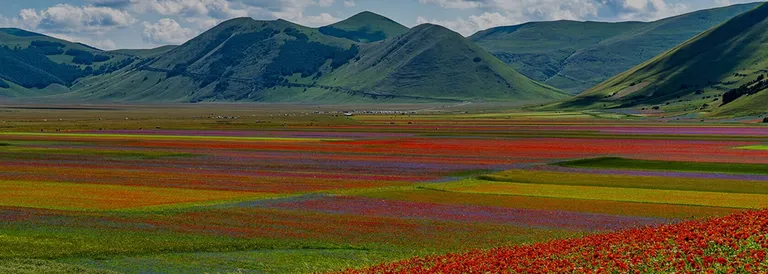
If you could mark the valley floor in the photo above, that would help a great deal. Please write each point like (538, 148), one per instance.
(304, 188)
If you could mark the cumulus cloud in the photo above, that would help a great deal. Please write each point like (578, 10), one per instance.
(644, 9)
(167, 31)
(291, 10)
(220, 9)
(508, 12)
(473, 23)
(350, 4)
(454, 4)
(65, 18)
(85, 24)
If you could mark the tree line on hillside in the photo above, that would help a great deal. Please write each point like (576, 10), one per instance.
(299, 55)
(306, 58)
(31, 68)
(749, 88)
(86, 58)
(361, 35)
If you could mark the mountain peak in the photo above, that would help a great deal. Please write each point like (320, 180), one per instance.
(368, 15)
(365, 27)
(432, 31)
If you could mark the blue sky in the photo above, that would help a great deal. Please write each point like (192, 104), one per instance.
(111, 24)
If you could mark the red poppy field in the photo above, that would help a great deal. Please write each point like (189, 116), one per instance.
(141, 189)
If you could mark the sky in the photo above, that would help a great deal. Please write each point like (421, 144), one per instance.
(112, 24)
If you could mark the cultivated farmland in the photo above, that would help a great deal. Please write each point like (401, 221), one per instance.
(256, 188)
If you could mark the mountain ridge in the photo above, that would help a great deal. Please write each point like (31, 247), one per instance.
(575, 55)
(703, 75)
(278, 61)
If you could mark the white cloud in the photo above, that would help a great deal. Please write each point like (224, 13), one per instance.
(65, 18)
(350, 4)
(167, 31)
(85, 24)
(220, 9)
(508, 12)
(454, 4)
(291, 10)
(648, 9)
(93, 41)
(473, 23)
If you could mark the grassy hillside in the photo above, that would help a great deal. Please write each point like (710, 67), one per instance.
(575, 56)
(35, 64)
(432, 61)
(145, 53)
(365, 27)
(278, 61)
(239, 60)
(701, 75)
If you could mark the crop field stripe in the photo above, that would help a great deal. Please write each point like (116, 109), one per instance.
(624, 163)
(696, 198)
(165, 137)
(426, 195)
(14, 151)
(69, 196)
(759, 147)
(628, 181)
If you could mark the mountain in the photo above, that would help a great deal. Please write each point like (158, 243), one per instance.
(239, 59)
(145, 53)
(720, 72)
(575, 56)
(432, 61)
(278, 61)
(365, 27)
(36, 64)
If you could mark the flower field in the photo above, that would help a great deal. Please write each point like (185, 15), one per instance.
(311, 192)
(736, 243)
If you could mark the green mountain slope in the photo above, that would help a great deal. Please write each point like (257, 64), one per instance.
(432, 61)
(701, 75)
(365, 27)
(145, 53)
(575, 56)
(240, 59)
(35, 64)
(278, 61)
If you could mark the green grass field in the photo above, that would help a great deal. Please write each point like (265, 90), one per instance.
(622, 163)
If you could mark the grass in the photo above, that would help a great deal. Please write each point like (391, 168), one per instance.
(71, 196)
(259, 261)
(426, 195)
(628, 181)
(760, 147)
(706, 63)
(167, 137)
(658, 196)
(623, 163)
(34, 266)
(76, 209)
(36, 152)
(575, 56)
(70, 237)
